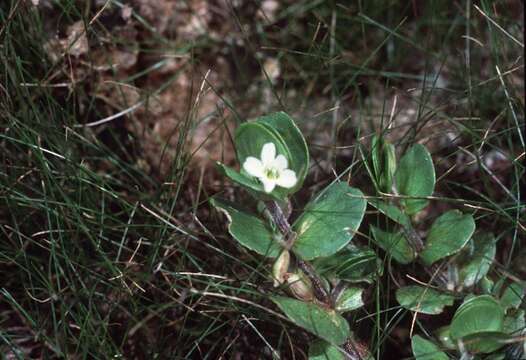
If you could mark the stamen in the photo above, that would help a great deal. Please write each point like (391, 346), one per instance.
(272, 173)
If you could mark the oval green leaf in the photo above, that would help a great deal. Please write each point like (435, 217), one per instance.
(415, 176)
(512, 297)
(443, 335)
(474, 261)
(322, 350)
(351, 264)
(248, 230)
(449, 233)
(423, 300)
(350, 299)
(514, 322)
(497, 356)
(243, 180)
(478, 314)
(485, 343)
(394, 244)
(426, 350)
(391, 211)
(329, 221)
(324, 323)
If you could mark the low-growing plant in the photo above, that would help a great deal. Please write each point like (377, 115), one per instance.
(320, 275)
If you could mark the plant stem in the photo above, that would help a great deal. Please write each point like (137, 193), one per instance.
(281, 221)
(355, 350)
(284, 227)
(317, 285)
(417, 244)
(415, 241)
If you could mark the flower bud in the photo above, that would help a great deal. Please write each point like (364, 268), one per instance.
(390, 167)
(280, 268)
(384, 162)
(300, 286)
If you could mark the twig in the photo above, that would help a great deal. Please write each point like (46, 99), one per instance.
(275, 355)
(112, 117)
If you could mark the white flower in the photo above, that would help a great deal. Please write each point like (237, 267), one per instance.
(271, 170)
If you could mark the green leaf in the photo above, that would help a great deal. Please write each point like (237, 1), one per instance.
(486, 285)
(423, 300)
(498, 287)
(243, 180)
(498, 356)
(352, 264)
(350, 299)
(324, 323)
(512, 297)
(514, 322)
(248, 230)
(475, 261)
(282, 124)
(384, 162)
(449, 234)
(426, 350)
(329, 221)
(444, 336)
(485, 343)
(391, 211)
(478, 314)
(322, 350)
(394, 244)
(415, 176)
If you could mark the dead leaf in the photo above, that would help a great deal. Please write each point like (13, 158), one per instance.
(76, 43)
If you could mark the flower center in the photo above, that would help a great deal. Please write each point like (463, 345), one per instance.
(272, 173)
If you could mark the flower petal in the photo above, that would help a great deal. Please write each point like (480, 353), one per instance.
(287, 179)
(280, 162)
(268, 153)
(253, 166)
(268, 184)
